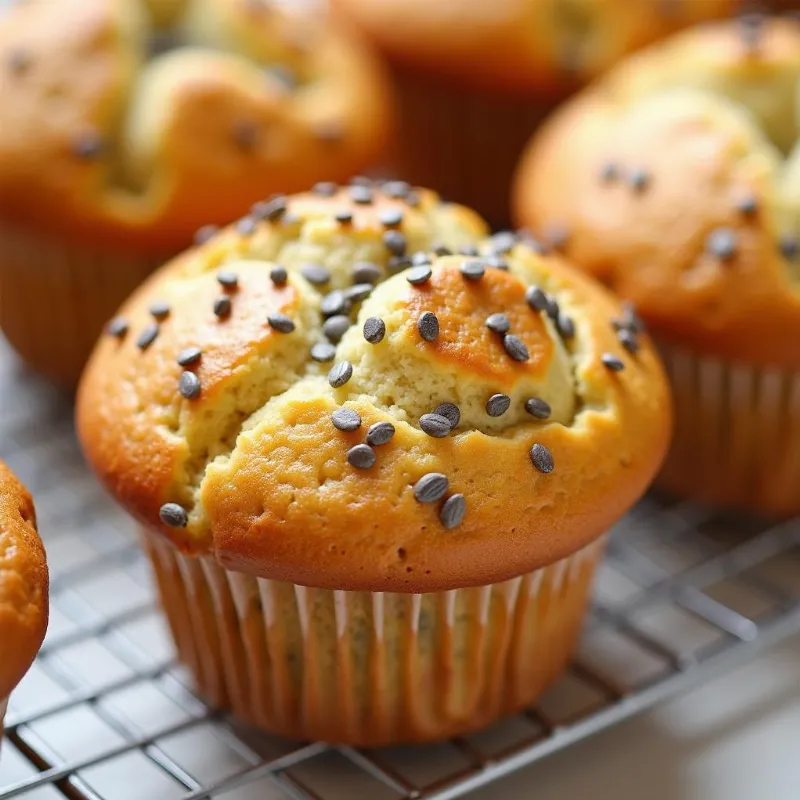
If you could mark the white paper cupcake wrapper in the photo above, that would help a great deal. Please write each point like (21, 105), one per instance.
(371, 668)
(737, 433)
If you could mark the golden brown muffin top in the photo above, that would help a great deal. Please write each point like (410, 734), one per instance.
(124, 125)
(23, 583)
(362, 392)
(526, 46)
(676, 182)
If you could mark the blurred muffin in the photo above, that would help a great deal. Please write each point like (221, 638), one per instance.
(473, 79)
(128, 125)
(23, 586)
(676, 182)
(375, 489)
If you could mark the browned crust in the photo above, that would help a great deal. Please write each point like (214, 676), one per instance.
(539, 47)
(190, 159)
(23, 583)
(651, 246)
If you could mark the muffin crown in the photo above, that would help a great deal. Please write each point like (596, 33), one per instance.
(131, 121)
(524, 46)
(360, 391)
(675, 181)
(23, 583)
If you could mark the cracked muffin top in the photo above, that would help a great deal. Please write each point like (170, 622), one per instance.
(132, 121)
(356, 388)
(675, 180)
(23, 583)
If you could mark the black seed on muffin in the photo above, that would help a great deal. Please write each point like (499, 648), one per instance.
(631, 318)
(19, 61)
(428, 326)
(789, 246)
(344, 216)
(391, 217)
(721, 243)
(278, 275)
(468, 250)
(88, 145)
(325, 188)
(639, 180)
(117, 327)
(246, 226)
(497, 405)
(189, 385)
(173, 515)
(450, 411)
(609, 172)
(496, 262)
(245, 133)
(413, 199)
(472, 270)
(340, 373)
(396, 189)
(566, 326)
(515, 347)
(336, 327)
(228, 279)
(553, 309)
(502, 242)
(398, 263)
(189, 356)
(421, 259)
(362, 456)
(538, 408)
(159, 309)
(323, 352)
(346, 419)
(280, 323)
(435, 425)
(418, 275)
(453, 511)
(360, 194)
(431, 487)
(542, 458)
(222, 306)
(366, 272)
(270, 210)
(747, 204)
(316, 274)
(374, 329)
(628, 340)
(380, 433)
(395, 242)
(537, 298)
(441, 250)
(205, 234)
(358, 292)
(334, 303)
(499, 323)
(361, 180)
(611, 362)
(148, 335)
(751, 28)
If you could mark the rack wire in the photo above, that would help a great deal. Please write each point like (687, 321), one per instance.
(106, 713)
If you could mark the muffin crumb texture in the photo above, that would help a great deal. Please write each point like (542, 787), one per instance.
(389, 389)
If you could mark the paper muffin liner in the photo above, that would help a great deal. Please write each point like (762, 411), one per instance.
(55, 296)
(737, 433)
(464, 143)
(370, 668)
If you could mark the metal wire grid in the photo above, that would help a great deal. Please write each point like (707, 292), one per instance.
(107, 713)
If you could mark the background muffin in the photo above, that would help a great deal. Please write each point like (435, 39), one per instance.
(386, 530)
(675, 181)
(126, 130)
(474, 79)
(23, 585)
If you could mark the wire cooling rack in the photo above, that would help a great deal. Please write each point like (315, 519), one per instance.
(107, 714)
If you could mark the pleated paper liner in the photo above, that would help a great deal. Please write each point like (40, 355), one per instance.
(55, 297)
(464, 143)
(371, 668)
(737, 434)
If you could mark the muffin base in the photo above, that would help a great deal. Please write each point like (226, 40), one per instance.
(55, 297)
(737, 434)
(3, 709)
(464, 143)
(366, 668)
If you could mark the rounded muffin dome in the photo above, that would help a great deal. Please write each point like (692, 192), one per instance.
(357, 389)
(132, 121)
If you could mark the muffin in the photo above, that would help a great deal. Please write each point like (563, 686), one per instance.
(374, 490)
(23, 586)
(129, 125)
(676, 181)
(474, 79)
